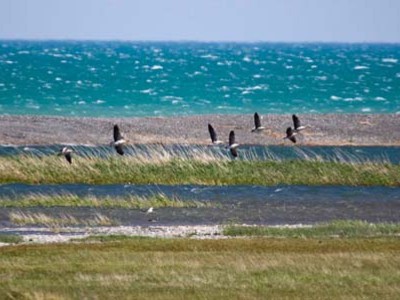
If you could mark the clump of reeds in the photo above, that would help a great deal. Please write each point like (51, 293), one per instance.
(42, 219)
(72, 200)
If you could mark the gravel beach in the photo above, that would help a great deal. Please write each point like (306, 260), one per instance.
(325, 129)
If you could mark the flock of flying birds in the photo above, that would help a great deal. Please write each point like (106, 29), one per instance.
(290, 133)
(119, 141)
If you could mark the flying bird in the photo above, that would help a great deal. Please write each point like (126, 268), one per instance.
(290, 134)
(67, 152)
(257, 124)
(232, 144)
(297, 124)
(118, 141)
(213, 135)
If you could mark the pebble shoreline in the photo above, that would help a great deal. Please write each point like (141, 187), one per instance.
(326, 129)
(66, 234)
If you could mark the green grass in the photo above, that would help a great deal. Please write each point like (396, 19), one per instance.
(72, 200)
(347, 229)
(10, 238)
(204, 171)
(57, 222)
(258, 268)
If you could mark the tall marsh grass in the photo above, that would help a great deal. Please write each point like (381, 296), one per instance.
(72, 200)
(196, 166)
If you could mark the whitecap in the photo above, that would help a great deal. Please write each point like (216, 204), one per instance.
(366, 109)
(361, 68)
(380, 98)
(156, 67)
(99, 101)
(247, 59)
(257, 76)
(148, 91)
(81, 102)
(209, 56)
(390, 60)
(333, 97)
(58, 79)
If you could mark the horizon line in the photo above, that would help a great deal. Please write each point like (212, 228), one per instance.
(194, 41)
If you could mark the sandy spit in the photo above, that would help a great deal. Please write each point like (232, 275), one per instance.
(326, 129)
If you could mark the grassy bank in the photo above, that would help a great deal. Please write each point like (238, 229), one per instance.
(348, 229)
(210, 170)
(256, 268)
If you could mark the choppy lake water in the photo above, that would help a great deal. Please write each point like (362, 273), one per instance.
(239, 204)
(113, 79)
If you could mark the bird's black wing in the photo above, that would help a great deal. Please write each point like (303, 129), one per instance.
(68, 157)
(231, 137)
(289, 134)
(117, 133)
(119, 149)
(257, 121)
(234, 152)
(212, 132)
(296, 121)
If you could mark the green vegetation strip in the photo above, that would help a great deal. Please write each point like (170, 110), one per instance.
(259, 268)
(205, 171)
(10, 238)
(72, 200)
(348, 229)
(57, 222)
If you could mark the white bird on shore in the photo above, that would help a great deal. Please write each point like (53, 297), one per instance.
(297, 125)
(150, 211)
(67, 152)
(290, 134)
(213, 135)
(232, 144)
(118, 141)
(257, 124)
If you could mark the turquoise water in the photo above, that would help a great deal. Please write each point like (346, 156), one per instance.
(162, 79)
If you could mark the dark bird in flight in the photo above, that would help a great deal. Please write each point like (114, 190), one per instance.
(67, 152)
(213, 135)
(297, 124)
(290, 134)
(257, 124)
(232, 144)
(119, 141)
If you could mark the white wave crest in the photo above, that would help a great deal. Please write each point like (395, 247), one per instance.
(361, 68)
(390, 60)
